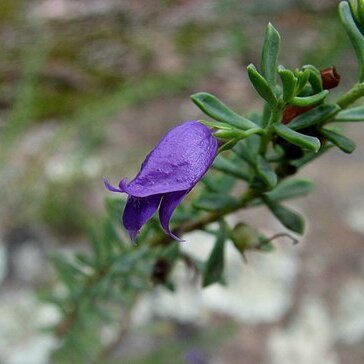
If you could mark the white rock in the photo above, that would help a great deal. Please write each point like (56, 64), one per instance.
(259, 291)
(355, 217)
(308, 339)
(350, 312)
(29, 262)
(21, 318)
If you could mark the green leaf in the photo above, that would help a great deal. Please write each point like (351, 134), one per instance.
(261, 85)
(289, 81)
(227, 145)
(356, 38)
(96, 244)
(354, 114)
(310, 156)
(357, 9)
(236, 134)
(303, 77)
(304, 141)
(227, 166)
(215, 264)
(213, 201)
(255, 117)
(111, 240)
(171, 252)
(67, 272)
(360, 14)
(269, 58)
(253, 143)
(243, 151)
(214, 108)
(217, 183)
(341, 141)
(309, 100)
(216, 124)
(318, 115)
(85, 260)
(292, 220)
(114, 208)
(290, 188)
(315, 78)
(265, 172)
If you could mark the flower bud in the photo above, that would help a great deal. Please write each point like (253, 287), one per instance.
(291, 111)
(330, 78)
(160, 270)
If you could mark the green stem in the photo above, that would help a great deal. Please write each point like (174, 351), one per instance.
(351, 96)
(204, 220)
(273, 119)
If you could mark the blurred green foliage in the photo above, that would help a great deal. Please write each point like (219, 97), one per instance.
(80, 74)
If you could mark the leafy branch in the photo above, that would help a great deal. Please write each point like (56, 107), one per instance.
(261, 152)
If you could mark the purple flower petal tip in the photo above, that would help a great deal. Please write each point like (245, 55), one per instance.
(110, 187)
(168, 173)
(133, 235)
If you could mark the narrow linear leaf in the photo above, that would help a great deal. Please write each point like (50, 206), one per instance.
(96, 244)
(290, 188)
(360, 14)
(303, 77)
(354, 34)
(216, 124)
(292, 220)
(256, 117)
(214, 201)
(269, 58)
(229, 134)
(318, 115)
(227, 166)
(355, 114)
(341, 141)
(214, 108)
(171, 251)
(315, 78)
(265, 172)
(215, 264)
(236, 134)
(243, 151)
(304, 141)
(219, 183)
(310, 156)
(253, 143)
(309, 100)
(289, 81)
(261, 85)
(228, 145)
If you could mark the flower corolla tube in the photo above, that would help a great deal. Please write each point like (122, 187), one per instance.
(167, 175)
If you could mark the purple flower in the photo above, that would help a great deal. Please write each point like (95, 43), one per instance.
(168, 173)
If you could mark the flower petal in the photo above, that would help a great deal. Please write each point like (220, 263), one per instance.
(169, 203)
(138, 210)
(177, 163)
(110, 187)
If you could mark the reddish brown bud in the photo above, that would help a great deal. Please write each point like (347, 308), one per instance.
(330, 78)
(161, 270)
(290, 112)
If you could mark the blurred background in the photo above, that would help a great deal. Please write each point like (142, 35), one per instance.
(86, 89)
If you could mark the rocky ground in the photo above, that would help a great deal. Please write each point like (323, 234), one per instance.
(301, 304)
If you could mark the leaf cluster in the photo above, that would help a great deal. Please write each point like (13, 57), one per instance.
(259, 156)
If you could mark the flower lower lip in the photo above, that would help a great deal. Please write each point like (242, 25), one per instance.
(168, 173)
